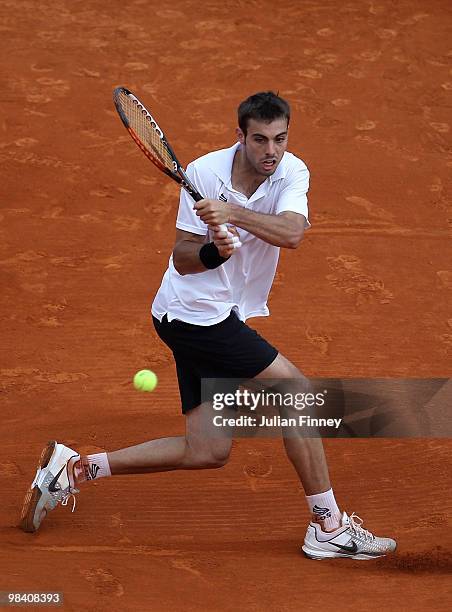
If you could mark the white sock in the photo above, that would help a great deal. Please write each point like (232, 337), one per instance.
(324, 508)
(96, 466)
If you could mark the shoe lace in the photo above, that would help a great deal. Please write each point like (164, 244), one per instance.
(356, 526)
(67, 495)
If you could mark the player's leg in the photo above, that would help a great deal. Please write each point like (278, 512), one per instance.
(203, 446)
(330, 534)
(61, 470)
(306, 454)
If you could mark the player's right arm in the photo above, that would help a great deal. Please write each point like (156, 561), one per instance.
(191, 231)
(187, 246)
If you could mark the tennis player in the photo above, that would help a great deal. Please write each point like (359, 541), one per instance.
(207, 294)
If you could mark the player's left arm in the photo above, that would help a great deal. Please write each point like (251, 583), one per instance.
(282, 230)
(284, 227)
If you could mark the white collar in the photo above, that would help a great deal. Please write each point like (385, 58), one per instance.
(221, 165)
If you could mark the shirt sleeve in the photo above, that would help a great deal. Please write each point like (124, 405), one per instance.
(293, 196)
(187, 219)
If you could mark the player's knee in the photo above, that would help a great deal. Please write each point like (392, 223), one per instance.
(217, 456)
(214, 462)
(221, 454)
(211, 461)
(287, 381)
(293, 383)
(211, 456)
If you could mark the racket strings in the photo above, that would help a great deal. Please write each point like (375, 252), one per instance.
(146, 130)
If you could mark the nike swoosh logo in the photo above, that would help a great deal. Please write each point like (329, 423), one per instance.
(349, 549)
(52, 484)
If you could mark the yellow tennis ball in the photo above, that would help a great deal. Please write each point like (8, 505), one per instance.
(145, 380)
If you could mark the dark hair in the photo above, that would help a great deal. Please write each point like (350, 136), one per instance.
(264, 106)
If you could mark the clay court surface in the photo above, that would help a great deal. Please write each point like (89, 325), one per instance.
(86, 229)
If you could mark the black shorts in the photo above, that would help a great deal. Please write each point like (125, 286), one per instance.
(229, 349)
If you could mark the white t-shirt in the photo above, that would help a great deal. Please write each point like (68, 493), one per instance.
(244, 281)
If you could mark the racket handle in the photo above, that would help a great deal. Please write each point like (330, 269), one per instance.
(235, 239)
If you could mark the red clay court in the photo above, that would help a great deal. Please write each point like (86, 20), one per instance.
(86, 229)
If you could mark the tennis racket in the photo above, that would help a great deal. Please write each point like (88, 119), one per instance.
(150, 138)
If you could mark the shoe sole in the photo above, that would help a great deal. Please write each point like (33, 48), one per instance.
(316, 556)
(34, 493)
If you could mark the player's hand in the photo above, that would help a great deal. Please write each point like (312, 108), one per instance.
(223, 240)
(212, 212)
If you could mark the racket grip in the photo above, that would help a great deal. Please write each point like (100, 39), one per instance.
(235, 239)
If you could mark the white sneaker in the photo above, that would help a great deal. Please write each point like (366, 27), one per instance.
(53, 483)
(349, 540)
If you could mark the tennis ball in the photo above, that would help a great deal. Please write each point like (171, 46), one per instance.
(145, 380)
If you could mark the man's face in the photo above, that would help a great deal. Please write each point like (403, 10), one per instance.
(264, 144)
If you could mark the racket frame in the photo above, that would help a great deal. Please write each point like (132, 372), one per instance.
(178, 173)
